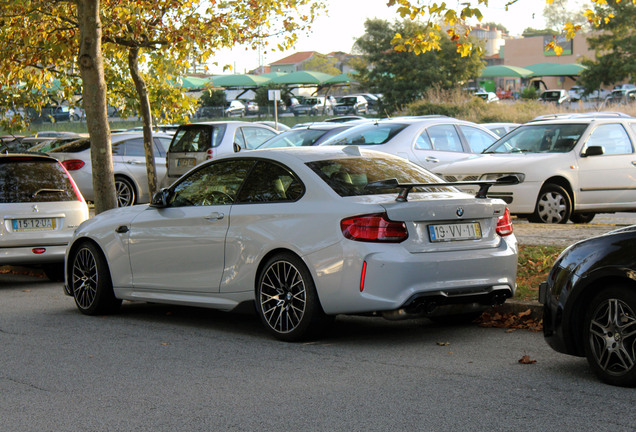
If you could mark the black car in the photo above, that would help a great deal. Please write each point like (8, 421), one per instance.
(589, 304)
(351, 105)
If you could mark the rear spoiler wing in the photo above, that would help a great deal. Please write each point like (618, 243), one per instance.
(405, 188)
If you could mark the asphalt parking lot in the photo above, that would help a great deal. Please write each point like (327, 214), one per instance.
(566, 234)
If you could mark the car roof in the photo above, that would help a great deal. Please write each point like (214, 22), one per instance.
(31, 156)
(306, 154)
(589, 115)
(320, 126)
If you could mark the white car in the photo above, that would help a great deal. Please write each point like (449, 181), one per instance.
(197, 142)
(428, 141)
(487, 97)
(129, 165)
(569, 169)
(303, 234)
(40, 207)
(500, 128)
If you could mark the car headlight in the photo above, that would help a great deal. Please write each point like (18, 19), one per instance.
(495, 176)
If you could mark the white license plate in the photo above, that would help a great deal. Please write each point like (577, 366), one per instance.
(40, 224)
(185, 163)
(453, 232)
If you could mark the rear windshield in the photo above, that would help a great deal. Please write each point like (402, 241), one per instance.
(197, 138)
(33, 180)
(73, 147)
(351, 177)
(369, 134)
(294, 138)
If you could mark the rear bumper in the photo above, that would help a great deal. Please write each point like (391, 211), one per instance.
(397, 279)
(25, 256)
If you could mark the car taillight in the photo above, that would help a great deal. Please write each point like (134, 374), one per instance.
(374, 228)
(504, 224)
(209, 154)
(73, 164)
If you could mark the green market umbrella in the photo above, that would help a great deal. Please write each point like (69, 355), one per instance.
(505, 71)
(302, 77)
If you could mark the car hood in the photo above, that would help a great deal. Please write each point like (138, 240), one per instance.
(489, 163)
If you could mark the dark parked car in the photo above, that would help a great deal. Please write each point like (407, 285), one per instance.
(351, 105)
(589, 304)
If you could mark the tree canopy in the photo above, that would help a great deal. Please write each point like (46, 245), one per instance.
(614, 59)
(147, 45)
(440, 16)
(403, 77)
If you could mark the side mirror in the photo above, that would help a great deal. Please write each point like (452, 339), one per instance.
(593, 151)
(160, 199)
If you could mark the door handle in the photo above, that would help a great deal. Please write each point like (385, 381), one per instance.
(215, 216)
(122, 229)
(134, 162)
(431, 159)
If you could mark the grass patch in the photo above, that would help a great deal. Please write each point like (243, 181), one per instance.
(535, 263)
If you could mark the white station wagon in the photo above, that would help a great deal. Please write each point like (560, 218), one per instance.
(568, 169)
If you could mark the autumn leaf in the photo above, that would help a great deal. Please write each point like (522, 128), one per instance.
(526, 360)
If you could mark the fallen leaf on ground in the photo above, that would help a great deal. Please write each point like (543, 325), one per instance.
(526, 360)
(513, 321)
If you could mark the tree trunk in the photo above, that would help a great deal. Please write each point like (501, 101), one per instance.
(146, 116)
(94, 98)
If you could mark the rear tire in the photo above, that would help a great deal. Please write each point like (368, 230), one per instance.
(610, 335)
(90, 282)
(553, 205)
(286, 299)
(125, 192)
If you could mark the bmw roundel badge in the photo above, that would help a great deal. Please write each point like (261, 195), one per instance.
(460, 212)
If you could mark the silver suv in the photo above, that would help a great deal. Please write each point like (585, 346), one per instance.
(197, 142)
(40, 207)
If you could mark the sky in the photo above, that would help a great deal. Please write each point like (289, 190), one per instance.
(343, 22)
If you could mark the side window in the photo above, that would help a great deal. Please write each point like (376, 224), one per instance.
(269, 182)
(445, 137)
(191, 139)
(134, 147)
(239, 141)
(612, 137)
(423, 142)
(255, 136)
(477, 139)
(161, 146)
(119, 149)
(214, 184)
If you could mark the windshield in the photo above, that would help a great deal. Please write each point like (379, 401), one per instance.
(549, 138)
(368, 134)
(352, 177)
(294, 138)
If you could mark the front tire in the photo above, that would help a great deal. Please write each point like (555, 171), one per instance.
(582, 218)
(125, 192)
(286, 299)
(90, 281)
(553, 205)
(610, 336)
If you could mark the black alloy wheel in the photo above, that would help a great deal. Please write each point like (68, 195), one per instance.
(286, 298)
(610, 335)
(90, 281)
